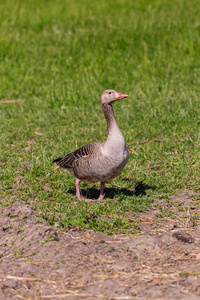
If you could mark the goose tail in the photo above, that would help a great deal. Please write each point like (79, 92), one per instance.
(57, 160)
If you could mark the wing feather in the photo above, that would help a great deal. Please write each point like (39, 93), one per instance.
(70, 159)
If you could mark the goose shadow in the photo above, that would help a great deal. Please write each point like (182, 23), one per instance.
(93, 193)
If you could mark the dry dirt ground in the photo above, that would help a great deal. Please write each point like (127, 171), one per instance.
(38, 261)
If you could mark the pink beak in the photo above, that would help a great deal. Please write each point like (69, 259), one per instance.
(120, 96)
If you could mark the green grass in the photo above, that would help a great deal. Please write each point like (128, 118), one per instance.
(57, 57)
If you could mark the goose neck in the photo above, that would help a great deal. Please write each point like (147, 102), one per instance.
(110, 117)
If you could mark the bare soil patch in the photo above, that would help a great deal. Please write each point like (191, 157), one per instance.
(38, 261)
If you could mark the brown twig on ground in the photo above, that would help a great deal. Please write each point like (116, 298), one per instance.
(29, 279)
(70, 294)
(11, 101)
(158, 140)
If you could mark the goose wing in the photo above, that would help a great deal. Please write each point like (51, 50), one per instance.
(70, 159)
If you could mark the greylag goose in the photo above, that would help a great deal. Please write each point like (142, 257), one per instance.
(99, 161)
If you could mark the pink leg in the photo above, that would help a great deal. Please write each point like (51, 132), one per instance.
(102, 189)
(78, 194)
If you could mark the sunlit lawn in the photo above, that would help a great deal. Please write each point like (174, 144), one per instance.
(56, 57)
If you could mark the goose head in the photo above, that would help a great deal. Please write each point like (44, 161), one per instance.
(110, 96)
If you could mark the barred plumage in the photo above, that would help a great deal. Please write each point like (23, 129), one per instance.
(100, 161)
(70, 159)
